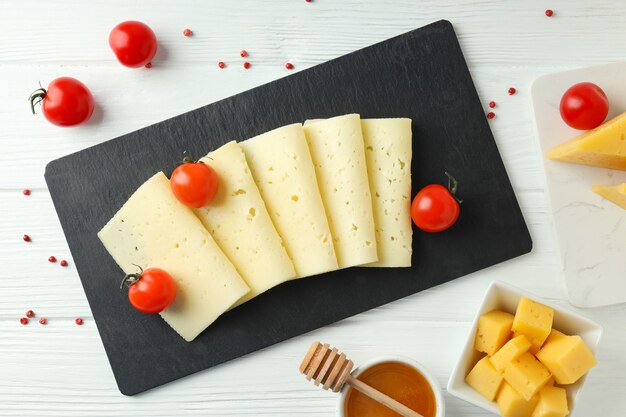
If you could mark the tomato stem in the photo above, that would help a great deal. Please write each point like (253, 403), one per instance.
(36, 98)
(453, 185)
(131, 279)
(187, 158)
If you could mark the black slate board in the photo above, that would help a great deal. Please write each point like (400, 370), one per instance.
(422, 75)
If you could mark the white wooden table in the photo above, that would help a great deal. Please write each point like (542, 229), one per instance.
(61, 369)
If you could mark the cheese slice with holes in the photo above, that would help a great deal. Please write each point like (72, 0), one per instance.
(281, 166)
(153, 229)
(240, 224)
(338, 154)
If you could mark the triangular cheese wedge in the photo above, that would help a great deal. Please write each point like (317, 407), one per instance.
(615, 194)
(604, 146)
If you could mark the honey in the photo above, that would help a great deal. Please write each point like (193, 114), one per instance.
(398, 380)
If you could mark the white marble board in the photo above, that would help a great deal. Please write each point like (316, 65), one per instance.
(590, 230)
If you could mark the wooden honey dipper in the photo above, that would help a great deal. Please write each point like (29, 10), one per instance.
(331, 368)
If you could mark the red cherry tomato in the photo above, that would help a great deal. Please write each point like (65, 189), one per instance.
(584, 106)
(150, 291)
(133, 43)
(66, 102)
(435, 208)
(194, 183)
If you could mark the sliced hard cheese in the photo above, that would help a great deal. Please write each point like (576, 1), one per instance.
(388, 144)
(240, 224)
(283, 171)
(604, 146)
(338, 154)
(153, 229)
(615, 194)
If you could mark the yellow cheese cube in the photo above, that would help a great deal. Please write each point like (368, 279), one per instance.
(511, 404)
(603, 146)
(615, 194)
(567, 357)
(533, 320)
(552, 403)
(484, 379)
(527, 375)
(511, 350)
(494, 330)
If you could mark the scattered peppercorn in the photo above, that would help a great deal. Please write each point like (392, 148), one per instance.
(63, 262)
(246, 65)
(491, 115)
(26, 238)
(43, 321)
(512, 91)
(221, 64)
(79, 321)
(492, 104)
(30, 313)
(24, 321)
(26, 191)
(187, 32)
(243, 53)
(149, 65)
(289, 65)
(52, 259)
(549, 13)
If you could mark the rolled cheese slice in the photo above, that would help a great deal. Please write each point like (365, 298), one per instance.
(153, 229)
(388, 151)
(282, 168)
(338, 154)
(240, 224)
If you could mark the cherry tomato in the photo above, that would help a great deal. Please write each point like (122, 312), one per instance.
(584, 106)
(435, 207)
(194, 183)
(150, 291)
(66, 102)
(133, 43)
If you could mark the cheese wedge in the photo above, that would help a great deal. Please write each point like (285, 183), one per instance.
(240, 224)
(338, 154)
(604, 146)
(388, 151)
(282, 168)
(153, 229)
(616, 194)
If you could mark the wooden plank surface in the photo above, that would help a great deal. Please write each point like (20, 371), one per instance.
(61, 370)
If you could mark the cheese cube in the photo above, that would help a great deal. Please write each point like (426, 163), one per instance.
(527, 375)
(615, 194)
(567, 357)
(493, 331)
(533, 320)
(338, 154)
(388, 152)
(240, 224)
(552, 403)
(513, 349)
(153, 229)
(511, 403)
(603, 146)
(282, 168)
(484, 379)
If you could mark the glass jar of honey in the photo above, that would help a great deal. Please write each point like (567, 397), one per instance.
(400, 378)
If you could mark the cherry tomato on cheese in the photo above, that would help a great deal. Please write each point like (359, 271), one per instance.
(435, 208)
(66, 102)
(151, 291)
(133, 43)
(194, 183)
(584, 106)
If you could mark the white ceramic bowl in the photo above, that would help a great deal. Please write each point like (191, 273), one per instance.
(506, 297)
(441, 409)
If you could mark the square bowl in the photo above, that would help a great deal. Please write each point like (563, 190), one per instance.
(505, 297)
